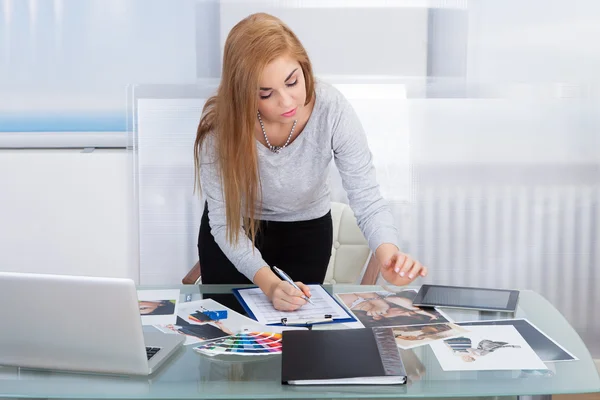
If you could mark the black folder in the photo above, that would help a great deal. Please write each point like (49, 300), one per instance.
(348, 356)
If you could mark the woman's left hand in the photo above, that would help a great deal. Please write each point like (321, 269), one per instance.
(397, 267)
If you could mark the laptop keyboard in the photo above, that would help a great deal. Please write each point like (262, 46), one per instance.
(151, 351)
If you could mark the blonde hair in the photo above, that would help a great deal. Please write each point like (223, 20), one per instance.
(251, 44)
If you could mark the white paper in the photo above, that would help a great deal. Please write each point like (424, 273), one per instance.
(152, 303)
(265, 313)
(504, 358)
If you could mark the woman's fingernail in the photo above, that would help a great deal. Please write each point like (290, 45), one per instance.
(397, 269)
(402, 273)
(410, 276)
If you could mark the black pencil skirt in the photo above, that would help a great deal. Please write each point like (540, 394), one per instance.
(301, 248)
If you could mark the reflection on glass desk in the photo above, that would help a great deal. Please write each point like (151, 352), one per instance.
(191, 375)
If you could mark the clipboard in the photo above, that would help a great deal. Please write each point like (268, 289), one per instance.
(327, 309)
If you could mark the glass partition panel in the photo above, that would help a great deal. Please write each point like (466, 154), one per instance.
(505, 190)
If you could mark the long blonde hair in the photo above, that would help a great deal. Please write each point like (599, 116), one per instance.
(231, 114)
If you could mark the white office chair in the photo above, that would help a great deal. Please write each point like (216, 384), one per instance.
(349, 253)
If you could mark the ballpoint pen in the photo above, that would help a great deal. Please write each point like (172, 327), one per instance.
(287, 278)
(306, 321)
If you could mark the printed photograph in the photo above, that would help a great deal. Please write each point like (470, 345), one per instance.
(157, 307)
(203, 332)
(410, 336)
(389, 309)
(196, 333)
(198, 327)
(200, 316)
(487, 348)
(544, 346)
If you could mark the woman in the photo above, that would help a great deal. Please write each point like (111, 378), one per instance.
(262, 155)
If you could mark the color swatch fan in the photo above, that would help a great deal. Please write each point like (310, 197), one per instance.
(245, 343)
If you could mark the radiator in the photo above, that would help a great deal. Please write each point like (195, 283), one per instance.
(544, 238)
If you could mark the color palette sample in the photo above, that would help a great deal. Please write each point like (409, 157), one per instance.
(245, 343)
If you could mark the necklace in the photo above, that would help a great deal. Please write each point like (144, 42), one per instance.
(275, 149)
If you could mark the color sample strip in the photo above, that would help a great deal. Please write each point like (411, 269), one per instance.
(245, 343)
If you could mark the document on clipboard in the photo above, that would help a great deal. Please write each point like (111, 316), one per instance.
(325, 309)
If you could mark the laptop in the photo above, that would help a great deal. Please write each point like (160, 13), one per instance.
(75, 323)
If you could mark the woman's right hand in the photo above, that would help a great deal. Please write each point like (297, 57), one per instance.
(285, 297)
(282, 294)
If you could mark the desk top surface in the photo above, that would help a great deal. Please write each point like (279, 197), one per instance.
(190, 375)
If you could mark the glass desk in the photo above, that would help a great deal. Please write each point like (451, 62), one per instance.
(189, 375)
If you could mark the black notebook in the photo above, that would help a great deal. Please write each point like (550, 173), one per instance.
(347, 356)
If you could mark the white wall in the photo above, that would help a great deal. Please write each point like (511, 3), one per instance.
(65, 211)
(534, 41)
(396, 44)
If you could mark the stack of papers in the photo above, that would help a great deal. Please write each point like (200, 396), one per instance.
(509, 344)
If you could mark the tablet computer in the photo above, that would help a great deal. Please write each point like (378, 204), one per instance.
(474, 298)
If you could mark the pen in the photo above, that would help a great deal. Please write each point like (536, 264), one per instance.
(287, 278)
(307, 321)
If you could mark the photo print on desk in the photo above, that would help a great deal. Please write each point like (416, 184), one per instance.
(389, 309)
(487, 348)
(158, 307)
(543, 345)
(195, 320)
(410, 336)
(195, 333)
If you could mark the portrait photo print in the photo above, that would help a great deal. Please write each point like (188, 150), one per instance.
(158, 306)
(389, 309)
(410, 336)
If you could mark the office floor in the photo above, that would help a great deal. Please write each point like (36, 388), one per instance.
(590, 396)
